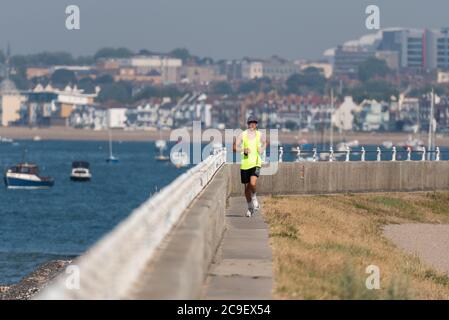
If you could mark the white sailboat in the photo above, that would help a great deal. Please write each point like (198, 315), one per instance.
(111, 158)
(161, 144)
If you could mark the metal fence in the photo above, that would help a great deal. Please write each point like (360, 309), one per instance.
(109, 269)
(332, 155)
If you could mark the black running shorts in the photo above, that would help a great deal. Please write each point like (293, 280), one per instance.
(245, 175)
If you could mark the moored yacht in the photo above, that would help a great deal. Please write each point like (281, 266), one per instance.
(26, 176)
(80, 171)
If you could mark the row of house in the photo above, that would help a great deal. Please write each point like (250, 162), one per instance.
(48, 106)
(147, 115)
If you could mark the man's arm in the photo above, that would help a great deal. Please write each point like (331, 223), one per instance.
(237, 147)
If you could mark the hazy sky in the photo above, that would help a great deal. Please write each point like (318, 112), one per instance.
(216, 28)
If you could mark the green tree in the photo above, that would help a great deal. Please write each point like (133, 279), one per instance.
(372, 89)
(63, 77)
(119, 91)
(104, 79)
(145, 52)
(309, 80)
(21, 82)
(221, 87)
(84, 60)
(113, 53)
(87, 84)
(291, 125)
(158, 92)
(181, 53)
(257, 85)
(43, 59)
(372, 68)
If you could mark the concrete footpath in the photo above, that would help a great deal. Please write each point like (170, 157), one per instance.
(430, 242)
(242, 268)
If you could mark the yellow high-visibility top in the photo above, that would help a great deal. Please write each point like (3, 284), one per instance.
(253, 158)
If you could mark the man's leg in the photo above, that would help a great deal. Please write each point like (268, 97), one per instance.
(253, 188)
(248, 196)
(244, 174)
(252, 184)
(248, 192)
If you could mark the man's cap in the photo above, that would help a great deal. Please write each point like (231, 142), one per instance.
(251, 118)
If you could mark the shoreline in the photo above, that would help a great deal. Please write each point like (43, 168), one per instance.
(70, 134)
(33, 283)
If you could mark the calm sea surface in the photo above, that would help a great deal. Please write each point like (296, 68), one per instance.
(37, 226)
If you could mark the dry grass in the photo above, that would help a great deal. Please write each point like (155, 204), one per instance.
(322, 245)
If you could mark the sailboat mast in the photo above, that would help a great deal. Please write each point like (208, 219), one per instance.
(430, 124)
(110, 143)
(332, 114)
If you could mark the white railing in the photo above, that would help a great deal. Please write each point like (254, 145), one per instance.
(110, 268)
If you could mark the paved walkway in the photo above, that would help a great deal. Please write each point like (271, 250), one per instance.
(429, 242)
(243, 265)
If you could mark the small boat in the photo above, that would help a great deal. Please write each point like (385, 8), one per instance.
(111, 159)
(6, 140)
(80, 171)
(26, 176)
(180, 159)
(162, 157)
(161, 145)
(37, 138)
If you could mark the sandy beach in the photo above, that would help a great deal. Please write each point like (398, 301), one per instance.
(64, 133)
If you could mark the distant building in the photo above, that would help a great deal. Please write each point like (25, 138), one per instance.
(277, 68)
(40, 110)
(348, 58)
(343, 117)
(436, 48)
(49, 106)
(252, 70)
(401, 48)
(200, 74)
(442, 77)
(116, 118)
(231, 69)
(168, 67)
(408, 43)
(391, 58)
(372, 115)
(11, 101)
(144, 116)
(406, 114)
(108, 65)
(37, 72)
(133, 74)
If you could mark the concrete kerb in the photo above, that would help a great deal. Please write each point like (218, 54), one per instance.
(179, 269)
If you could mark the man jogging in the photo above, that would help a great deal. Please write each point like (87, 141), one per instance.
(251, 144)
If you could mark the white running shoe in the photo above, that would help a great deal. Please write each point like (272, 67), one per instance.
(249, 213)
(256, 205)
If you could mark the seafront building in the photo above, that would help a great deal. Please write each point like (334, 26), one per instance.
(403, 49)
(11, 102)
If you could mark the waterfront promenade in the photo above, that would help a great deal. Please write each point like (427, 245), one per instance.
(206, 248)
